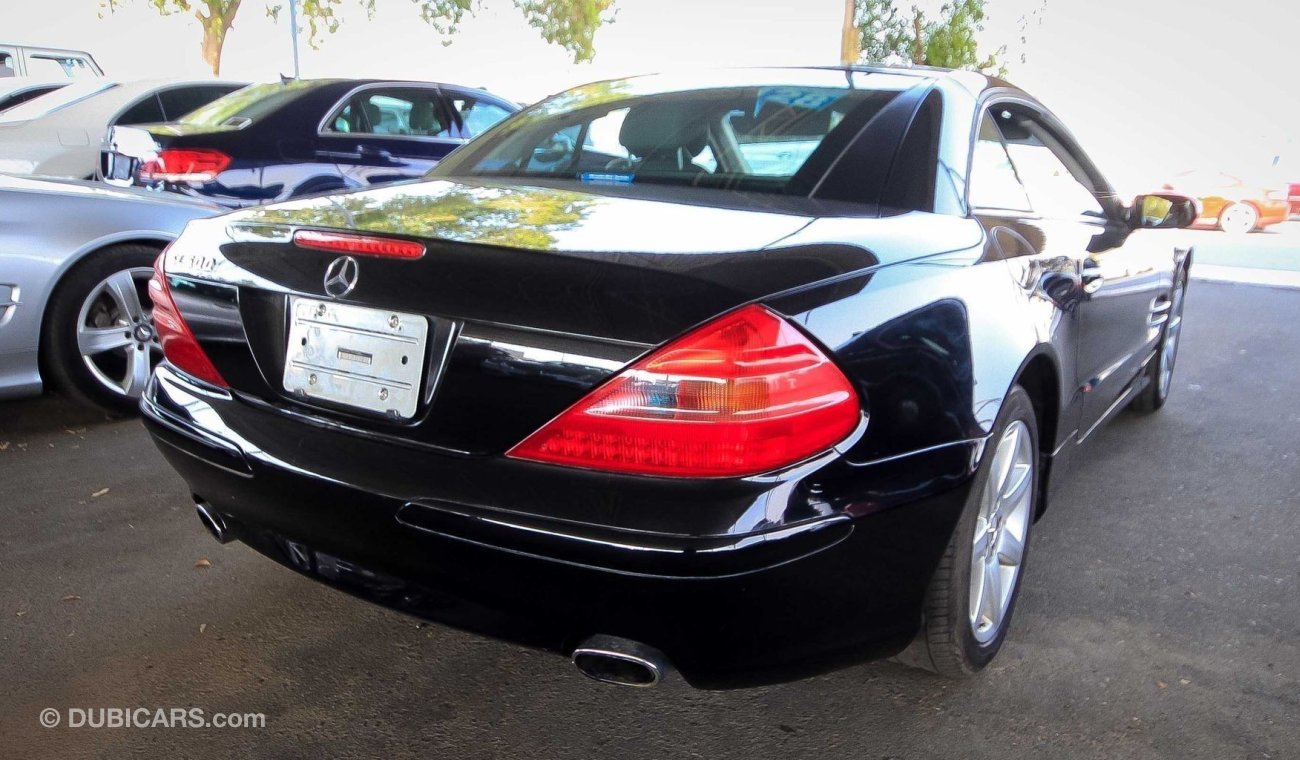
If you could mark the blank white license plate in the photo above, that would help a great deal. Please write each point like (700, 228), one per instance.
(371, 359)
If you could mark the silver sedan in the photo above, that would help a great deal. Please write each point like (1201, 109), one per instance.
(75, 262)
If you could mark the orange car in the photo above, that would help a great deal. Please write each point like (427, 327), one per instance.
(1231, 204)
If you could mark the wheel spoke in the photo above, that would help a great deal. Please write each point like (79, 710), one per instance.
(1010, 549)
(1020, 477)
(138, 369)
(121, 287)
(982, 539)
(97, 340)
(1004, 464)
(991, 601)
(978, 589)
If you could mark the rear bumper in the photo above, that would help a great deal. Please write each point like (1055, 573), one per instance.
(783, 600)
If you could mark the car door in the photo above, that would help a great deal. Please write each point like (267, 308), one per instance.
(384, 133)
(1041, 253)
(1122, 282)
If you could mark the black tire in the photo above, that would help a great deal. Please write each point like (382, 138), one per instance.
(1155, 394)
(947, 643)
(62, 362)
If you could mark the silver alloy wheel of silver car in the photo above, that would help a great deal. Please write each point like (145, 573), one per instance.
(1001, 528)
(1169, 348)
(115, 332)
(1238, 218)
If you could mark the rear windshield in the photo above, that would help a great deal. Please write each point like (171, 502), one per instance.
(245, 106)
(758, 139)
(54, 101)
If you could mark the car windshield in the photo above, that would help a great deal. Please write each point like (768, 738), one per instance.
(751, 138)
(247, 105)
(54, 101)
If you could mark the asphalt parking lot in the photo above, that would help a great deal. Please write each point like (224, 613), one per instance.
(1159, 619)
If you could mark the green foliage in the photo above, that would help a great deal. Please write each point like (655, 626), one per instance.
(571, 24)
(886, 33)
(892, 35)
(511, 217)
(950, 41)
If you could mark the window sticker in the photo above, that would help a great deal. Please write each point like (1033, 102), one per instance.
(605, 178)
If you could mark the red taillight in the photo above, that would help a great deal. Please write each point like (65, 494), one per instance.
(362, 245)
(181, 165)
(178, 343)
(744, 394)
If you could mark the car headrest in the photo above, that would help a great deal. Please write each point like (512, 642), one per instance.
(373, 114)
(422, 120)
(651, 127)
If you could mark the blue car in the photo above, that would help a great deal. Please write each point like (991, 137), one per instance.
(271, 142)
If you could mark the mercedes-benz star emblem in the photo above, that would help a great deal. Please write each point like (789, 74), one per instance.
(341, 276)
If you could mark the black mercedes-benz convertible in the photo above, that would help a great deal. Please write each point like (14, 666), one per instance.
(742, 376)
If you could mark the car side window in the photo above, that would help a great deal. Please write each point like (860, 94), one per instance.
(58, 67)
(994, 183)
(475, 115)
(179, 101)
(1043, 165)
(8, 66)
(584, 147)
(145, 111)
(399, 111)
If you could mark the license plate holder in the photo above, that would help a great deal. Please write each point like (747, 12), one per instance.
(356, 356)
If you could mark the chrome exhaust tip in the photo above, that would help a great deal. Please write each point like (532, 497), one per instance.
(610, 659)
(212, 520)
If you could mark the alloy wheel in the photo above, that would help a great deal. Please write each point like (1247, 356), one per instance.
(998, 547)
(115, 332)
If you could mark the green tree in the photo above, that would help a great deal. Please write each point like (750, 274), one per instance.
(571, 24)
(886, 33)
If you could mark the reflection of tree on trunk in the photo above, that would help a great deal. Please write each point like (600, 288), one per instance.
(512, 217)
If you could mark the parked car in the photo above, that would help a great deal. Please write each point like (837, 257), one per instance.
(629, 399)
(47, 63)
(75, 259)
(272, 142)
(1230, 203)
(15, 90)
(58, 134)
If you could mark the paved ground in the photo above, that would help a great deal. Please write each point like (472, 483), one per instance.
(1159, 619)
(1276, 247)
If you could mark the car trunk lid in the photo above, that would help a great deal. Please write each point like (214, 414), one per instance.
(528, 297)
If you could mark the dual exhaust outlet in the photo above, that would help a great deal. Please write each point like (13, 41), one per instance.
(604, 658)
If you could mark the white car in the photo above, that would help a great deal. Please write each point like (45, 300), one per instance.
(17, 90)
(46, 63)
(59, 134)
